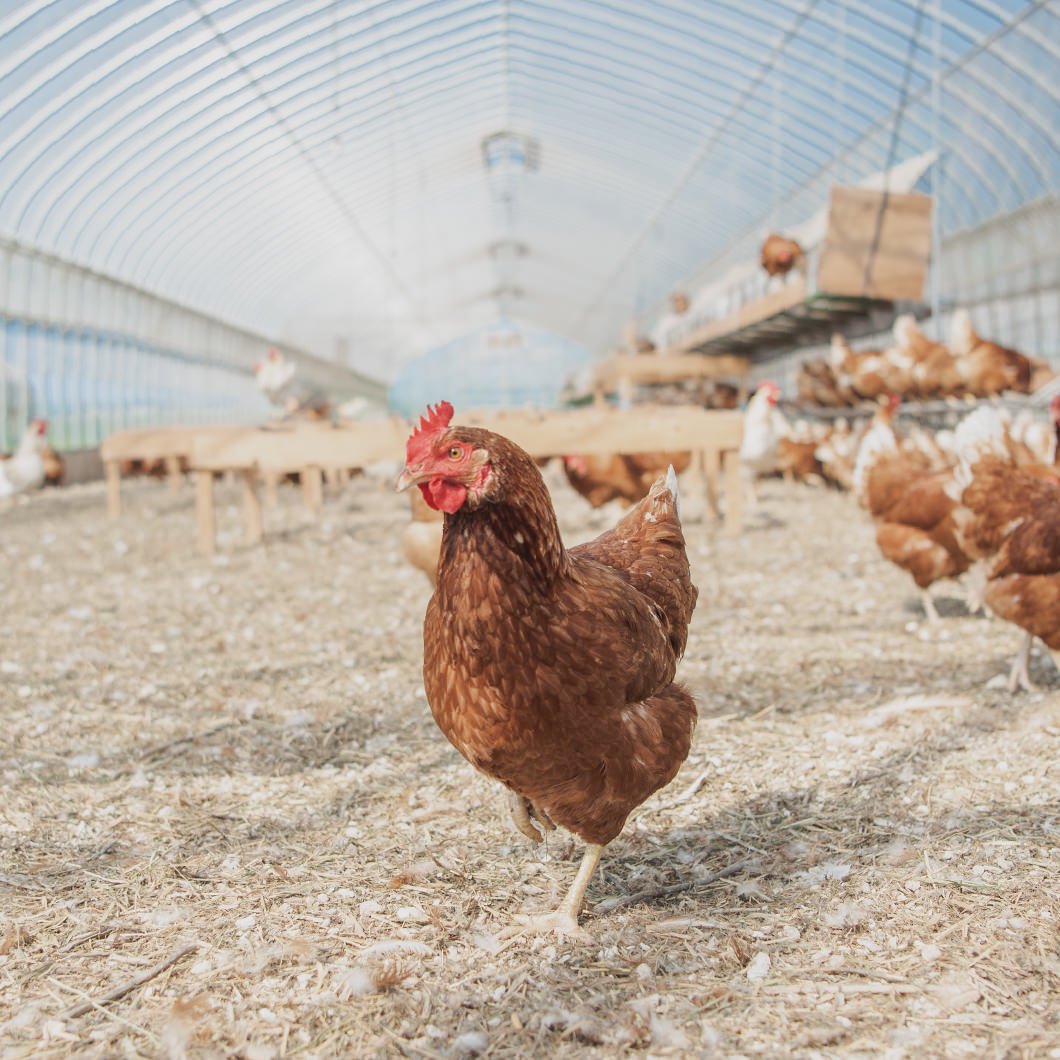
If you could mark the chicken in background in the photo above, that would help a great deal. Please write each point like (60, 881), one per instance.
(838, 453)
(1007, 518)
(622, 477)
(779, 255)
(54, 466)
(276, 380)
(421, 540)
(871, 374)
(986, 368)
(905, 493)
(24, 469)
(797, 459)
(552, 669)
(763, 427)
(915, 366)
(934, 367)
(817, 385)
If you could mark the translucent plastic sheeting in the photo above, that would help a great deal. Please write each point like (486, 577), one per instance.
(314, 170)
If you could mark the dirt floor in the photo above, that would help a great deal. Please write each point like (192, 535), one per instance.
(228, 767)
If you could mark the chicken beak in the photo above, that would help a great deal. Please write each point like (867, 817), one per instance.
(409, 477)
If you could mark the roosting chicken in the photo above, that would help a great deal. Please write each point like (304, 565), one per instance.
(780, 255)
(552, 669)
(1008, 519)
(986, 368)
(276, 380)
(906, 497)
(934, 367)
(24, 469)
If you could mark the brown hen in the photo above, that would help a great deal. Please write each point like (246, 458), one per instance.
(552, 669)
(1008, 520)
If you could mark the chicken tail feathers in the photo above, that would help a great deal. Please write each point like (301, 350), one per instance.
(671, 485)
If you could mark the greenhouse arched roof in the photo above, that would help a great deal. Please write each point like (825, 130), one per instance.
(379, 177)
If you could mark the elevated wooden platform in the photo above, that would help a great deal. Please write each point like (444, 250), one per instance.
(875, 253)
(256, 454)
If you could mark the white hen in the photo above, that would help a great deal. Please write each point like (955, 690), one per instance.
(24, 470)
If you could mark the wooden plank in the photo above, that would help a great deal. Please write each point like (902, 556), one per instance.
(541, 433)
(710, 460)
(899, 262)
(670, 368)
(646, 428)
(312, 488)
(157, 443)
(173, 473)
(252, 507)
(290, 449)
(272, 488)
(204, 512)
(760, 309)
(730, 463)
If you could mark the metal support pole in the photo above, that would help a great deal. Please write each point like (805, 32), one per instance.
(936, 171)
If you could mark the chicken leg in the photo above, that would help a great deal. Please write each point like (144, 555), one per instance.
(564, 920)
(1018, 676)
(529, 818)
(929, 605)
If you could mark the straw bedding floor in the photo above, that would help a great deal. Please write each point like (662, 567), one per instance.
(229, 827)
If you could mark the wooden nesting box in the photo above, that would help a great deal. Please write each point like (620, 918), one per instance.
(876, 246)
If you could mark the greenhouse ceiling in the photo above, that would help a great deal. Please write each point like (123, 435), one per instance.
(366, 180)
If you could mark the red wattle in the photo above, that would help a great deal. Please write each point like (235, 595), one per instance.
(443, 496)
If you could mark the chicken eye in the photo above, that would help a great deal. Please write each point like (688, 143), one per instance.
(455, 452)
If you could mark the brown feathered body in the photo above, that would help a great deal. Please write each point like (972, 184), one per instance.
(907, 500)
(552, 669)
(625, 477)
(779, 254)
(1008, 519)
(54, 467)
(797, 458)
(986, 367)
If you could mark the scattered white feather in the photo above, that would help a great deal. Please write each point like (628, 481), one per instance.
(471, 1043)
(354, 982)
(396, 946)
(759, 967)
(827, 870)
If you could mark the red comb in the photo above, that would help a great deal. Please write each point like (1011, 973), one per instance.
(41, 425)
(432, 422)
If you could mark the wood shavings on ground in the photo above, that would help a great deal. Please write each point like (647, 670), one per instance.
(230, 827)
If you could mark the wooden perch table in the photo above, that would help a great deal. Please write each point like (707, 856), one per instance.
(311, 450)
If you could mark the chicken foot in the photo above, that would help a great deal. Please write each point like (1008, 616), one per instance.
(1019, 677)
(529, 818)
(564, 920)
(930, 610)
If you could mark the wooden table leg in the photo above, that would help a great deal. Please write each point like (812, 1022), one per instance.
(710, 470)
(730, 464)
(173, 473)
(272, 489)
(112, 470)
(204, 512)
(252, 506)
(312, 488)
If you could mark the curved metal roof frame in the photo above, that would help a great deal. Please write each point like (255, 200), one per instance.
(318, 160)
